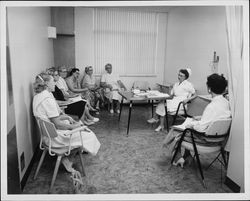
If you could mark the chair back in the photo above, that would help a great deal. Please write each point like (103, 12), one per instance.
(142, 85)
(196, 106)
(47, 128)
(219, 127)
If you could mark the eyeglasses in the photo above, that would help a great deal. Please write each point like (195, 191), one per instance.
(55, 75)
(63, 71)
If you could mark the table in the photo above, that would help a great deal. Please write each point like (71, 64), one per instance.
(130, 96)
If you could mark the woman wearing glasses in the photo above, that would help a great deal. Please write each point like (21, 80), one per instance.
(89, 81)
(183, 90)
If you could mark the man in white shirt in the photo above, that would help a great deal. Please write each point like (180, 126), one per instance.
(112, 85)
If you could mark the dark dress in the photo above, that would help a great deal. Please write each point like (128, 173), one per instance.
(76, 108)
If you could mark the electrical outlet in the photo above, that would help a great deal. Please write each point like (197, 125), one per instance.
(22, 161)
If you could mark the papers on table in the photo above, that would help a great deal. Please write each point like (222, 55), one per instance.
(184, 124)
(157, 94)
(151, 94)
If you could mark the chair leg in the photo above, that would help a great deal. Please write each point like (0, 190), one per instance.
(198, 160)
(213, 161)
(222, 151)
(58, 161)
(40, 162)
(82, 163)
(178, 147)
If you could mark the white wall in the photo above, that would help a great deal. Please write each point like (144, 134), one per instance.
(30, 52)
(193, 34)
(84, 44)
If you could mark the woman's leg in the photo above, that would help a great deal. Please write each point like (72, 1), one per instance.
(76, 108)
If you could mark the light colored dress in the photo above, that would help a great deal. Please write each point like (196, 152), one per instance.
(61, 84)
(181, 92)
(96, 94)
(46, 107)
(218, 108)
(111, 79)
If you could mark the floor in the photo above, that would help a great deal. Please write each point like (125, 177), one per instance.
(134, 164)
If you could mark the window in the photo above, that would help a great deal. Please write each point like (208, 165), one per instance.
(127, 40)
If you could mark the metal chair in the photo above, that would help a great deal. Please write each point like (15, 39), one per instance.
(48, 130)
(215, 137)
(194, 107)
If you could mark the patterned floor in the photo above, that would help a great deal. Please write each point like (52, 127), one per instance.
(129, 165)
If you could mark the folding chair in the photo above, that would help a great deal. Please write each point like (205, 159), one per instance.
(48, 130)
(215, 137)
(194, 107)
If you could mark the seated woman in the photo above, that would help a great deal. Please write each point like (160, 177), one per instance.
(112, 84)
(181, 91)
(95, 91)
(75, 106)
(74, 86)
(62, 85)
(217, 109)
(46, 107)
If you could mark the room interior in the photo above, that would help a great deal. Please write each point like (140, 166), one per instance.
(38, 37)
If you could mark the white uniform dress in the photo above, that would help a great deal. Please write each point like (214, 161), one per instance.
(112, 80)
(218, 108)
(181, 92)
(46, 107)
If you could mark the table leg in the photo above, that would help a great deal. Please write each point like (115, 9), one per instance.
(120, 109)
(152, 104)
(129, 115)
(166, 110)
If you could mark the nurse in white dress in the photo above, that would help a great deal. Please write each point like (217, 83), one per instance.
(181, 91)
(46, 107)
(112, 85)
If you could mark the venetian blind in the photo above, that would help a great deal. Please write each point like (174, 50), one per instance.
(127, 40)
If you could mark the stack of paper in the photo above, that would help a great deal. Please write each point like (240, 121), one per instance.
(157, 94)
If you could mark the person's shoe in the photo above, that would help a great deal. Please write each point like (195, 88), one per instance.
(95, 119)
(152, 120)
(88, 123)
(112, 111)
(159, 128)
(118, 111)
(180, 162)
(67, 164)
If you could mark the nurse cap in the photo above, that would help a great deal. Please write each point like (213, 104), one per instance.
(189, 71)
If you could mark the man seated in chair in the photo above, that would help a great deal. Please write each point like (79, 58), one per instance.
(217, 109)
(112, 85)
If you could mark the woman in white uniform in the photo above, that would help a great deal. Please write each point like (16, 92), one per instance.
(112, 85)
(46, 107)
(217, 109)
(181, 91)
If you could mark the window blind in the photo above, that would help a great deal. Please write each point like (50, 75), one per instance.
(126, 39)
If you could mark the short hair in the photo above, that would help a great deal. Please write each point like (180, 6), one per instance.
(73, 70)
(108, 65)
(87, 68)
(217, 83)
(41, 81)
(185, 72)
(60, 68)
(51, 70)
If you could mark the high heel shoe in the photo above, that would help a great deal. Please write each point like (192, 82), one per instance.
(159, 128)
(180, 162)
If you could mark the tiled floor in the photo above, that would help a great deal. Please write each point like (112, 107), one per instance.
(129, 165)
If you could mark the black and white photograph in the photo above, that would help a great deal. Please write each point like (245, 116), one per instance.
(125, 100)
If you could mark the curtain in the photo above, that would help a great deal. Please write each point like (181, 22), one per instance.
(234, 28)
(126, 39)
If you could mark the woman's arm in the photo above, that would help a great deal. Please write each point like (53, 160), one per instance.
(73, 89)
(61, 125)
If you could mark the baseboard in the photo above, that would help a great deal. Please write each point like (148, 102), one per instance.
(232, 185)
(28, 171)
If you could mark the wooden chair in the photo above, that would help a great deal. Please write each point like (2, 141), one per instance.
(215, 137)
(195, 107)
(48, 130)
